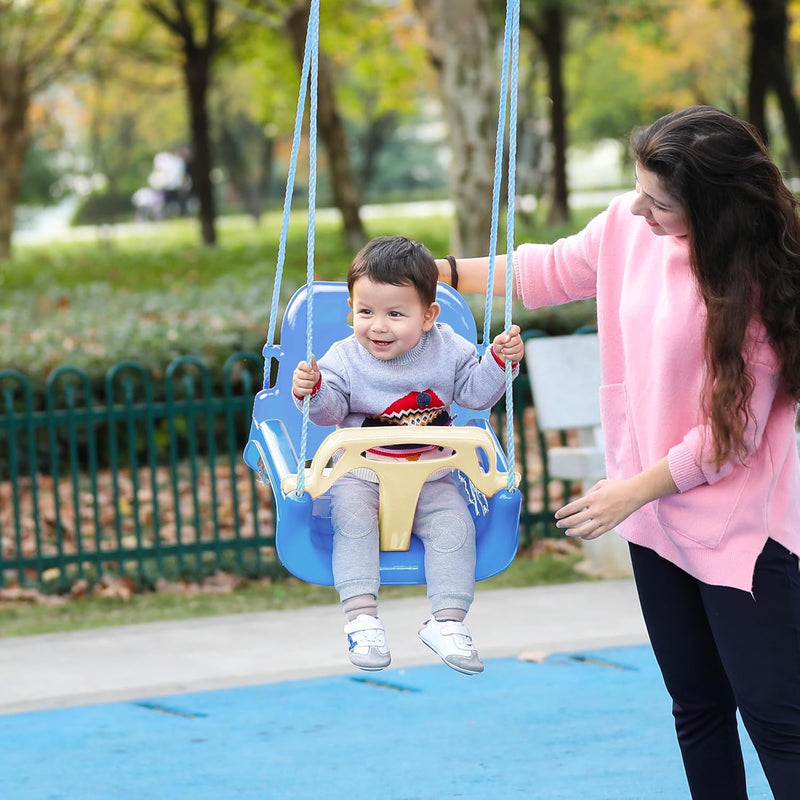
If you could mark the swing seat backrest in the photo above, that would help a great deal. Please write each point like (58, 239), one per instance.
(303, 532)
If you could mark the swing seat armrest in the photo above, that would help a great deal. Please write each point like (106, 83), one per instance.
(270, 452)
(501, 464)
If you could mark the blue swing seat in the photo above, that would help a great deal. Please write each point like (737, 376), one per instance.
(303, 531)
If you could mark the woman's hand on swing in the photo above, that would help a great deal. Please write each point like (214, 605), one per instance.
(509, 346)
(305, 378)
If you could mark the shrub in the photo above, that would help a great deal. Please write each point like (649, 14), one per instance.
(93, 327)
(104, 208)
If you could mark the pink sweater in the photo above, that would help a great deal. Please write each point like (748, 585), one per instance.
(651, 322)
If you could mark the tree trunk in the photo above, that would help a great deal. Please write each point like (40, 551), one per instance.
(14, 104)
(376, 135)
(332, 132)
(552, 41)
(769, 69)
(196, 71)
(782, 84)
(462, 51)
(759, 78)
(246, 152)
(267, 161)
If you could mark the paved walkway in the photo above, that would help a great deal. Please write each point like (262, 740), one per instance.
(266, 706)
(133, 661)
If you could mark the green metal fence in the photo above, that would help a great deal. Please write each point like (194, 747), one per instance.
(144, 477)
(139, 477)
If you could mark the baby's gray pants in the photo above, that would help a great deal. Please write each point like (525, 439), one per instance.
(442, 521)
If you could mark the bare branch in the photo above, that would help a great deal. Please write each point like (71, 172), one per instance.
(68, 22)
(23, 25)
(181, 24)
(43, 55)
(254, 15)
(160, 14)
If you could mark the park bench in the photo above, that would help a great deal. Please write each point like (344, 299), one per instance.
(564, 374)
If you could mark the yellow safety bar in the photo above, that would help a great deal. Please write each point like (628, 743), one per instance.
(400, 481)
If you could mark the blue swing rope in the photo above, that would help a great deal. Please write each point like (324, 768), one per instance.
(309, 76)
(510, 74)
(312, 43)
(311, 239)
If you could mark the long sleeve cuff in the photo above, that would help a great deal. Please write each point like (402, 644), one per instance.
(313, 391)
(500, 362)
(684, 469)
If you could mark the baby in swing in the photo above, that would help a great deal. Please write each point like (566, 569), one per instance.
(401, 367)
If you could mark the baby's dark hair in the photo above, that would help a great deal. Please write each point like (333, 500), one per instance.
(398, 261)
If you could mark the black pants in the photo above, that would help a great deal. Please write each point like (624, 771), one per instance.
(720, 649)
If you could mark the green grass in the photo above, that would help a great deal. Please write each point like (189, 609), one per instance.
(167, 256)
(94, 612)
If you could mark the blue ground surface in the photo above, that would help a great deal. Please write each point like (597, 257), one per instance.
(581, 726)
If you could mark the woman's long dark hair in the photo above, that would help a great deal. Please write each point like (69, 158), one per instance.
(744, 244)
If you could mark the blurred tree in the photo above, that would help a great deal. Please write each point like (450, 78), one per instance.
(331, 128)
(202, 31)
(378, 86)
(246, 151)
(136, 101)
(461, 48)
(373, 51)
(39, 44)
(291, 18)
(606, 96)
(382, 83)
(630, 62)
(547, 21)
(770, 69)
(253, 103)
(198, 34)
(369, 79)
(132, 109)
(42, 170)
(129, 93)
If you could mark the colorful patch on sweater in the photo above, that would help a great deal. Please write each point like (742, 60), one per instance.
(415, 408)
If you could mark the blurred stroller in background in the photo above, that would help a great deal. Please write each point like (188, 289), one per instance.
(169, 187)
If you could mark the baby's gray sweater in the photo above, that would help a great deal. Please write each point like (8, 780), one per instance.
(416, 388)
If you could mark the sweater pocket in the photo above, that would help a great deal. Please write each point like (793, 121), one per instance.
(622, 458)
(702, 514)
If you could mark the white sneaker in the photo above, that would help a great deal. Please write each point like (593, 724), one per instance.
(452, 642)
(366, 641)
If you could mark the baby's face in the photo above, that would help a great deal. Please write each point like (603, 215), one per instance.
(389, 320)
